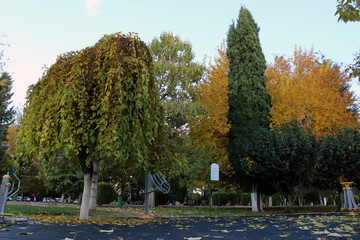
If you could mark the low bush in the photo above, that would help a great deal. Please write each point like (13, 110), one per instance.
(106, 193)
(245, 199)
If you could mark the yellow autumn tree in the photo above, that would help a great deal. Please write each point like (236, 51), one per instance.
(312, 91)
(211, 130)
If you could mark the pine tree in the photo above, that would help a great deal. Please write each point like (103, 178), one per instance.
(6, 115)
(248, 99)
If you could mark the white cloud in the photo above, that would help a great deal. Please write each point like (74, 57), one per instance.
(92, 7)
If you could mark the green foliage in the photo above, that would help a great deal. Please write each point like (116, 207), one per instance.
(31, 183)
(357, 199)
(337, 200)
(248, 99)
(6, 115)
(330, 200)
(339, 156)
(97, 103)
(276, 199)
(355, 67)
(348, 10)
(245, 199)
(287, 157)
(225, 198)
(106, 193)
(62, 178)
(176, 76)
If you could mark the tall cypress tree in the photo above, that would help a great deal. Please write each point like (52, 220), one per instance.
(248, 99)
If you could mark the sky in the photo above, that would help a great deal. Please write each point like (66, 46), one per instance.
(37, 31)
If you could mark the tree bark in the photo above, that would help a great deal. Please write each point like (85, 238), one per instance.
(151, 194)
(84, 210)
(254, 202)
(94, 186)
(260, 202)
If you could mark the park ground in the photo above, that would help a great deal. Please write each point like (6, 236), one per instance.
(60, 221)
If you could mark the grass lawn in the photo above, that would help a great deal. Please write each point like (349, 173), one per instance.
(25, 210)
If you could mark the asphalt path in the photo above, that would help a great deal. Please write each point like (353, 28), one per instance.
(268, 227)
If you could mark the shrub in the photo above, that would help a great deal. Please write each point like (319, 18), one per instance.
(233, 198)
(276, 199)
(357, 199)
(337, 200)
(224, 198)
(330, 200)
(245, 199)
(106, 193)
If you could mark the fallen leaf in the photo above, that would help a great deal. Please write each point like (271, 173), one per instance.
(5, 230)
(320, 225)
(25, 233)
(106, 231)
(320, 232)
(284, 235)
(193, 238)
(334, 235)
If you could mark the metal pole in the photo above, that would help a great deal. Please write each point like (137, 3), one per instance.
(147, 194)
(219, 197)
(210, 193)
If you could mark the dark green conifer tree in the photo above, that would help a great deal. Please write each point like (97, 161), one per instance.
(6, 115)
(248, 99)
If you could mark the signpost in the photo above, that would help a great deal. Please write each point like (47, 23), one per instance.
(214, 176)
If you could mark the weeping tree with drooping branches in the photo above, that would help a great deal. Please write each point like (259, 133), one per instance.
(99, 104)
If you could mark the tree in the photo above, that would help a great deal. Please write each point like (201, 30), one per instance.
(97, 104)
(311, 91)
(211, 130)
(64, 179)
(6, 115)
(349, 10)
(2, 60)
(12, 132)
(248, 99)
(286, 157)
(340, 157)
(176, 76)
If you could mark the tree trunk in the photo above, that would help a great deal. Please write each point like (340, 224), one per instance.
(151, 194)
(260, 206)
(321, 200)
(270, 201)
(84, 210)
(94, 186)
(254, 202)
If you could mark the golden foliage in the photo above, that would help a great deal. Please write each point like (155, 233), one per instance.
(211, 130)
(312, 91)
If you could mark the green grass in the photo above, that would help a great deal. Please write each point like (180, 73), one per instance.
(23, 210)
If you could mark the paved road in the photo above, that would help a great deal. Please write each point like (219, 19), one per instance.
(275, 227)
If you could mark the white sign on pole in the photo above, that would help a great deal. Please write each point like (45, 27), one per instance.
(214, 172)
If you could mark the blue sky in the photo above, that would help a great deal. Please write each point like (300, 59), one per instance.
(40, 30)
